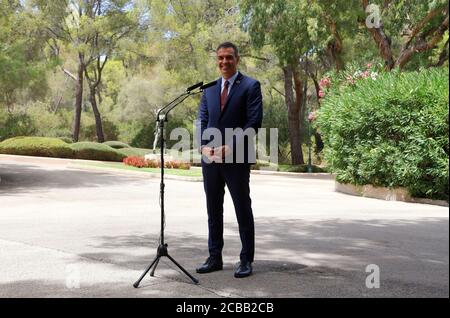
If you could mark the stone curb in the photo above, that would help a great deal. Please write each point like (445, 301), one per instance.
(303, 175)
(381, 193)
(78, 164)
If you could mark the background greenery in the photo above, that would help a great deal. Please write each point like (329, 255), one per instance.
(98, 70)
(392, 132)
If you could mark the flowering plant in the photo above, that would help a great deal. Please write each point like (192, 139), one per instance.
(140, 162)
(334, 82)
(349, 77)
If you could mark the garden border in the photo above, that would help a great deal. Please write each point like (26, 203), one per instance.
(382, 193)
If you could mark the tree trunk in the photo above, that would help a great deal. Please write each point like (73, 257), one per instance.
(334, 54)
(422, 44)
(300, 102)
(99, 95)
(293, 117)
(383, 42)
(334, 47)
(98, 118)
(319, 142)
(94, 87)
(78, 99)
(443, 56)
(9, 102)
(384, 46)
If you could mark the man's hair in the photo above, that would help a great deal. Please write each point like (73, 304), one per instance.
(225, 45)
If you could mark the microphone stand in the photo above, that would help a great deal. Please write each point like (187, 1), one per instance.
(162, 250)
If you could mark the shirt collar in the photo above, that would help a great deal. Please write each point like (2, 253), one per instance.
(231, 79)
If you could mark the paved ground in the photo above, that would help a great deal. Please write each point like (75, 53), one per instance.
(67, 231)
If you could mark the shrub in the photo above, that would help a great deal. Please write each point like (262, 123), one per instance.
(12, 125)
(390, 130)
(36, 146)
(301, 168)
(47, 122)
(138, 152)
(144, 137)
(116, 144)
(66, 139)
(96, 151)
(110, 131)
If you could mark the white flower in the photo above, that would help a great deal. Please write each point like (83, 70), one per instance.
(374, 75)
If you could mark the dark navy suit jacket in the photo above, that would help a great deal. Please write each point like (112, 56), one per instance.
(243, 109)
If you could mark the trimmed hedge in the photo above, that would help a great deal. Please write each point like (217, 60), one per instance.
(36, 146)
(134, 152)
(66, 139)
(96, 151)
(55, 147)
(390, 132)
(117, 144)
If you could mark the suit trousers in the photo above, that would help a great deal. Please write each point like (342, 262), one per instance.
(237, 179)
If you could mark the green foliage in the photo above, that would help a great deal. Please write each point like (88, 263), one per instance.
(110, 131)
(275, 116)
(17, 124)
(96, 151)
(55, 147)
(282, 23)
(36, 146)
(66, 139)
(116, 144)
(47, 122)
(298, 27)
(301, 168)
(392, 132)
(22, 63)
(145, 136)
(135, 152)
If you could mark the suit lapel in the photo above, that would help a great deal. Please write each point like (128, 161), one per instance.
(235, 87)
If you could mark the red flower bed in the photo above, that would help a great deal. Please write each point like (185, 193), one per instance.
(140, 162)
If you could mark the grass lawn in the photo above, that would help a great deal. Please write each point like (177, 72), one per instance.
(119, 165)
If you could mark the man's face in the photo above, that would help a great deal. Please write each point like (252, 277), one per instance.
(227, 62)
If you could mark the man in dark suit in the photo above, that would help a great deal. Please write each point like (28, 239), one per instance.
(230, 115)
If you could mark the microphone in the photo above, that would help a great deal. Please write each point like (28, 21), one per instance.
(203, 87)
(191, 88)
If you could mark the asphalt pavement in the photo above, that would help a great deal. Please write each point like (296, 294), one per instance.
(67, 230)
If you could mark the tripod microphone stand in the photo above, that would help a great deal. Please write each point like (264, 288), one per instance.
(162, 250)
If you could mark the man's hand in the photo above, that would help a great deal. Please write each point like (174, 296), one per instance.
(222, 152)
(216, 154)
(207, 151)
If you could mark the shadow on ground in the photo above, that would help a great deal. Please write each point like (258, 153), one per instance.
(303, 259)
(34, 178)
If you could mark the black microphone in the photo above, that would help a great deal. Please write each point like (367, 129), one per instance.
(191, 88)
(203, 87)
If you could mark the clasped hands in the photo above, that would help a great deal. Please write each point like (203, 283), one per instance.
(216, 154)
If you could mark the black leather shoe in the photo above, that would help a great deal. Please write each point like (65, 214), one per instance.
(211, 265)
(244, 270)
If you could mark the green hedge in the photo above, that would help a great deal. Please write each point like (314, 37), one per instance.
(391, 132)
(96, 151)
(138, 152)
(36, 146)
(55, 147)
(117, 144)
